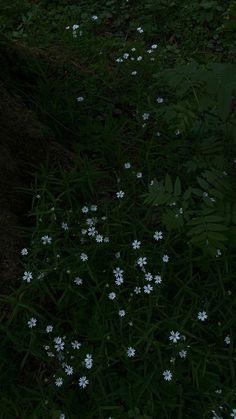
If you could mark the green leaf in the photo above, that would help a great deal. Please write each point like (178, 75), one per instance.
(213, 219)
(217, 236)
(204, 185)
(168, 184)
(177, 187)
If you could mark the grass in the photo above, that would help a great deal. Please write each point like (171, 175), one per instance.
(180, 188)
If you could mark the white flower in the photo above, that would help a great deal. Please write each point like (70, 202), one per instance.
(134, 49)
(160, 99)
(140, 30)
(137, 290)
(69, 370)
(158, 235)
(119, 280)
(174, 336)
(80, 99)
(46, 239)
(92, 231)
(167, 375)
(183, 353)
(148, 276)
(218, 253)
(24, 252)
(59, 382)
(157, 279)
(83, 382)
(85, 209)
(134, 73)
(165, 258)
(84, 231)
(146, 116)
(126, 55)
(233, 414)
(136, 244)
(177, 132)
(139, 175)
(120, 194)
(227, 339)
(78, 281)
(121, 313)
(142, 261)
(59, 344)
(64, 226)
(27, 276)
(119, 60)
(158, 133)
(76, 344)
(202, 316)
(139, 58)
(127, 165)
(99, 238)
(112, 295)
(49, 328)
(93, 208)
(117, 272)
(154, 46)
(130, 352)
(83, 257)
(74, 27)
(88, 361)
(32, 322)
(147, 288)
(106, 239)
(62, 416)
(94, 17)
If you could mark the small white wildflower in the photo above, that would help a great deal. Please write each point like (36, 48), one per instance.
(106, 239)
(62, 416)
(75, 344)
(165, 258)
(202, 316)
(93, 208)
(78, 281)
(119, 280)
(59, 344)
(83, 257)
(233, 413)
(94, 17)
(137, 290)
(130, 352)
(65, 226)
(160, 99)
(92, 231)
(120, 194)
(46, 239)
(140, 30)
(136, 244)
(177, 132)
(83, 382)
(227, 339)
(38, 196)
(74, 27)
(27, 276)
(148, 276)
(158, 235)
(139, 174)
(32, 322)
(85, 209)
(134, 49)
(219, 391)
(49, 328)
(147, 289)
(183, 353)
(80, 99)
(117, 255)
(141, 262)
(149, 51)
(24, 252)
(119, 60)
(154, 46)
(112, 295)
(218, 253)
(134, 73)
(59, 382)
(157, 279)
(84, 231)
(146, 116)
(167, 375)
(69, 370)
(121, 313)
(174, 336)
(88, 361)
(99, 238)
(139, 58)
(126, 56)
(158, 133)
(127, 165)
